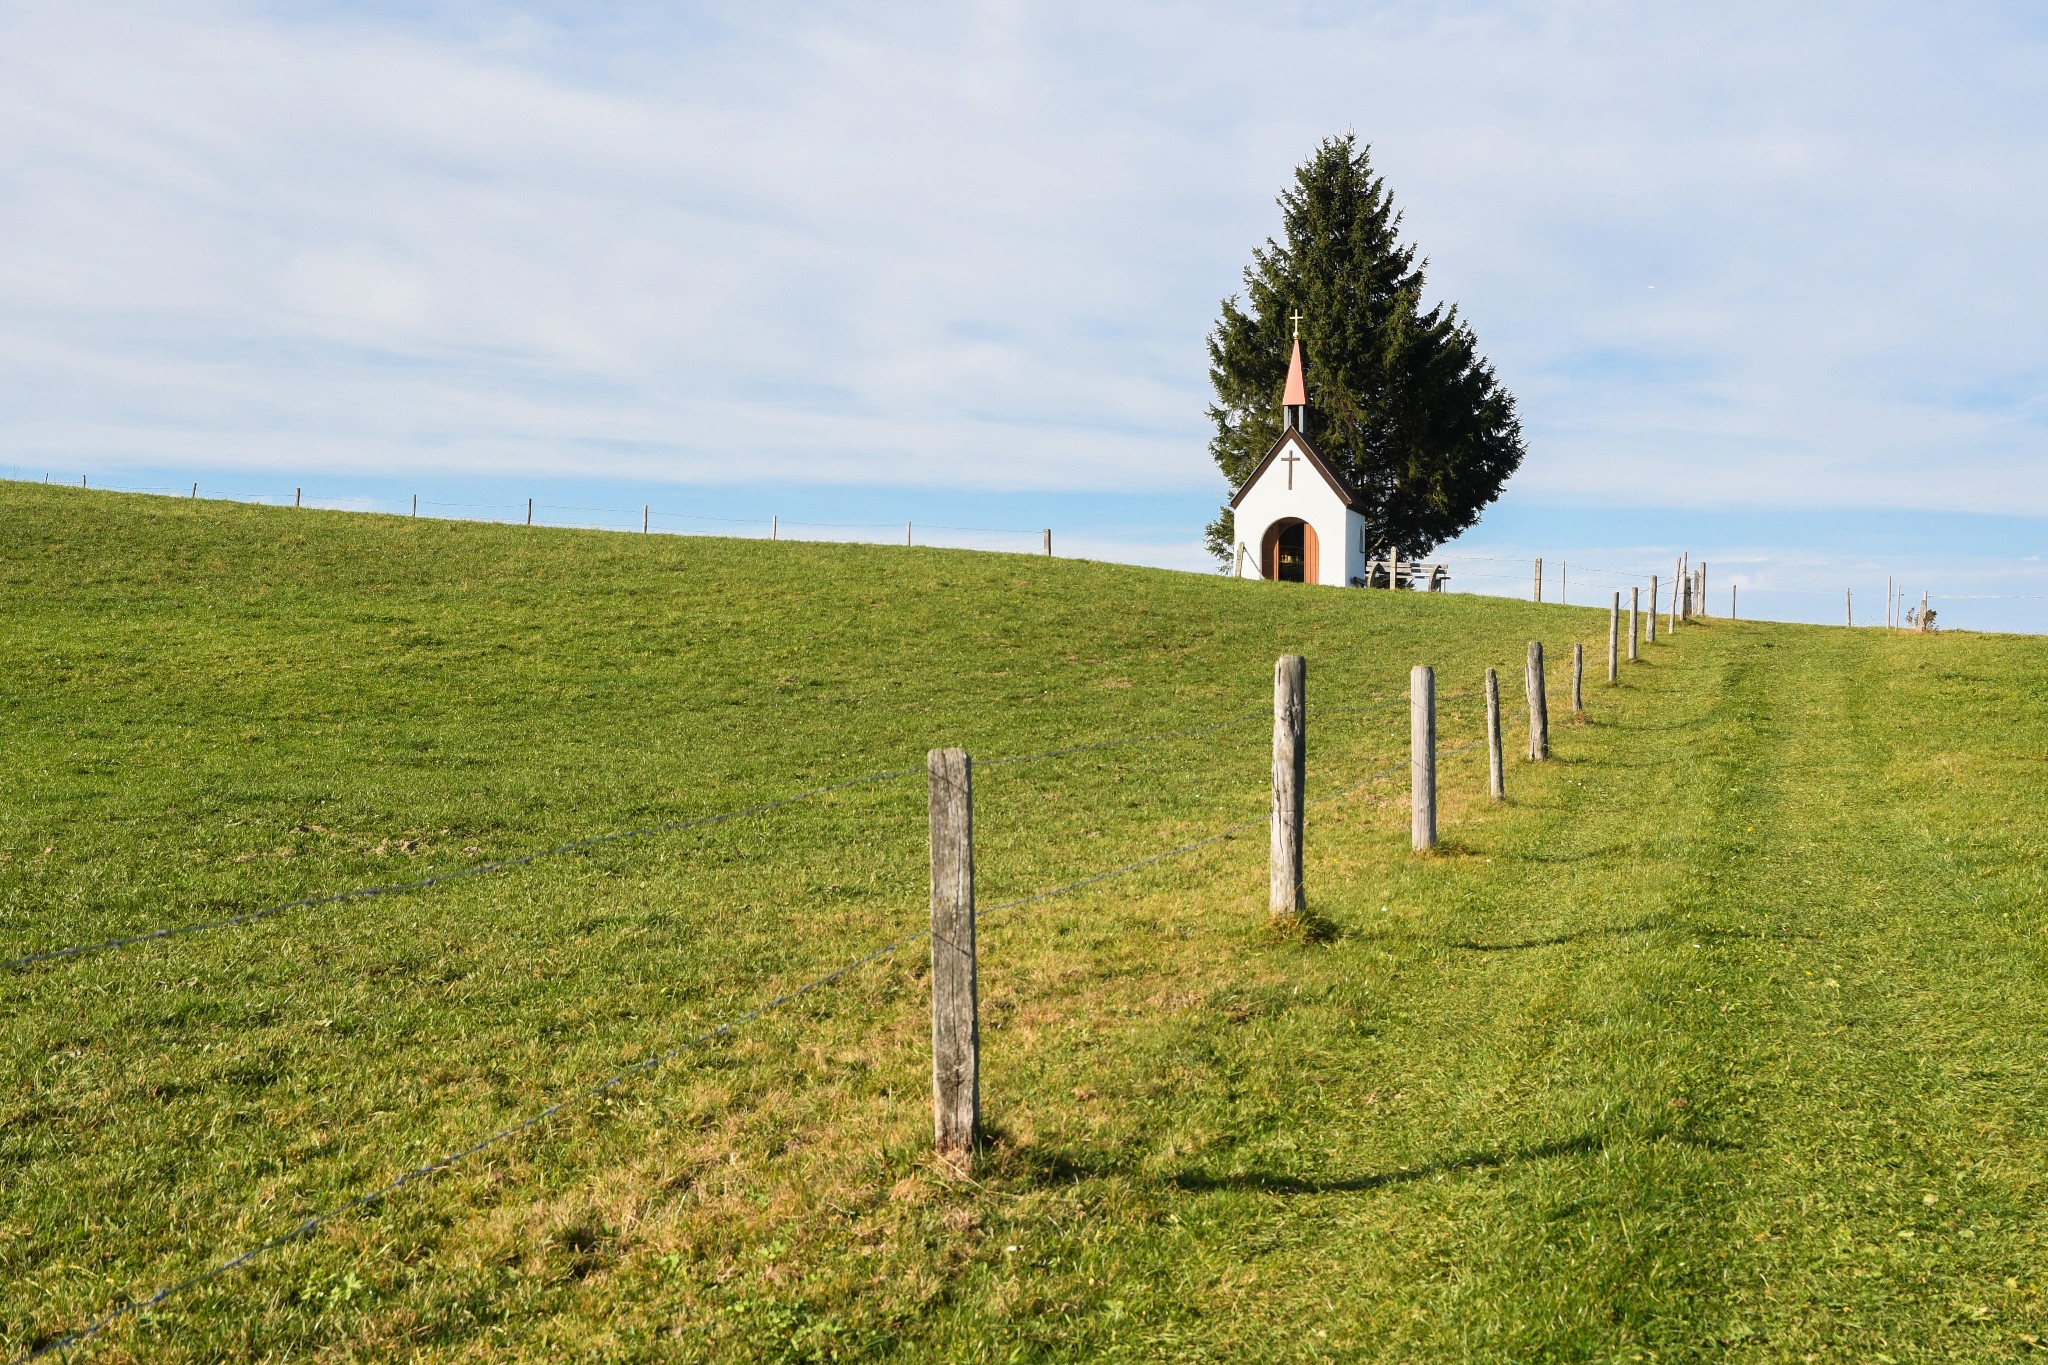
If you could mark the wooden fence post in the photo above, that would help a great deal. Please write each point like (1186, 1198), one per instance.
(956, 1025)
(1048, 542)
(1290, 771)
(1496, 778)
(1671, 621)
(1422, 757)
(1578, 681)
(906, 533)
(1539, 707)
(1634, 601)
(415, 504)
(1614, 639)
(297, 494)
(1731, 602)
(646, 513)
(1539, 577)
(1848, 607)
(195, 492)
(1650, 633)
(775, 526)
(529, 511)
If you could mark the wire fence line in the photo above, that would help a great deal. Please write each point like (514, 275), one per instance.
(514, 512)
(579, 845)
(307, 1227)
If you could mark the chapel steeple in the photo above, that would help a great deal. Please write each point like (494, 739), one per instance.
(1294, 400)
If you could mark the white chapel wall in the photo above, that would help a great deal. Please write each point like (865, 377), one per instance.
(1338, 559)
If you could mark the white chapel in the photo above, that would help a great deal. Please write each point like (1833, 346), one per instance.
(1297, 520)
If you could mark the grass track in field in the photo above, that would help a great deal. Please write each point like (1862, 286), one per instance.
(1717, 1042)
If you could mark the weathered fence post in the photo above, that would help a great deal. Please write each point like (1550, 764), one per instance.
(1048, 542)
(1731, 602)
(906, 533)
(1614, 639)
(1703, 589)
(1848, 607)
(956, 1026)
(646, 514)
(1497, 780)
(1634, 601)
(1422, 757)
(529, 511)
(195, 492)
(415, 504)
(1539, 578)
(1578, 681)
(1564, 596)
(1290, 771)
(774, 526)
(1650, 633)
(1539, 706)
(297, 493)
(1671, 621)
(1890, 592)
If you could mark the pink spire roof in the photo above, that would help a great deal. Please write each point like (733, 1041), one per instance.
(1297, 392)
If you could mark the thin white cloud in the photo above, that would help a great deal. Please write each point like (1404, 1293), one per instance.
(1752, 256)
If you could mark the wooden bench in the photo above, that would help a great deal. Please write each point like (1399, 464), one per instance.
(1405, 574)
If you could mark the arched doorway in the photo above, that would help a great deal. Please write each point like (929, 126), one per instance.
(1289, 552)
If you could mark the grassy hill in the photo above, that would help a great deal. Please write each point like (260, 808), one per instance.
(1720, 1040)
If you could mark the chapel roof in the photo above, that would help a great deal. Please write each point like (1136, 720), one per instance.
(1344, 491)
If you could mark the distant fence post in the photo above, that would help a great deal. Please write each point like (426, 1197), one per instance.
(1539, 578)
(1564, 596)
(1048, 542)
(1848, 607)
(297, 494)
(415, 504)
(195, 492)
(1578, 681)
(1539, 708)
(906, 533)
(529, 511)
(1634, 601)
(1671, 621)
(646, 514)
(1731, 602)
(1290, 770)
(956, 1027)
(775, 527)
(1497, 779)
(1651, 633)
(1703, 588)
(1614, 639)
(1422, 757)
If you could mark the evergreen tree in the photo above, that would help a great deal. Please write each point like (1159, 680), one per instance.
(1401, 403)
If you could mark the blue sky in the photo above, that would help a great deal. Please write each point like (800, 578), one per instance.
(1766, 280)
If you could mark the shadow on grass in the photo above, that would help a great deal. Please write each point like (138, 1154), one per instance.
(1044, 1168)
(1202, 1182)
(1559, 859)
(1558, 940)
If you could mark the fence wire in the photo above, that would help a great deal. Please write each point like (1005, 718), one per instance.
(313, 1224)
(479, 869)
(577, 845)
(309, 1226)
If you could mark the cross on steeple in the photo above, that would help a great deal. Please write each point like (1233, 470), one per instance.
(1295, 318)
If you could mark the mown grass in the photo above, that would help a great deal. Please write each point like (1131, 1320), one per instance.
(1718, 1041)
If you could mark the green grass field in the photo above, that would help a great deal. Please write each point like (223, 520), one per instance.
(1721, 1040)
